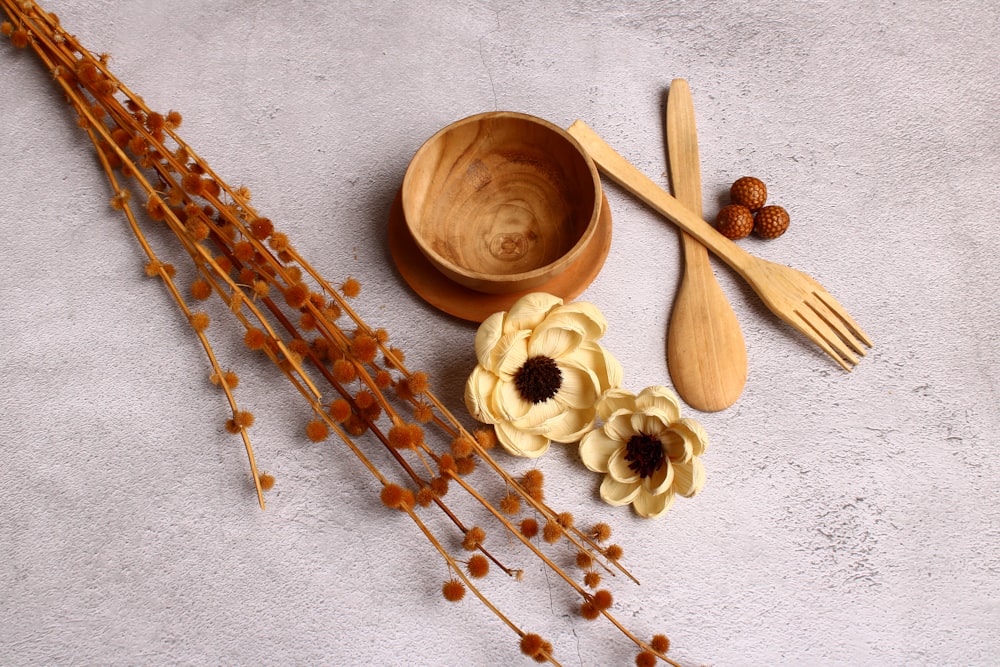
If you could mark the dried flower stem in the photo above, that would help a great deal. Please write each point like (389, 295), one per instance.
(466, 580)
(175, 293)
(223, 234)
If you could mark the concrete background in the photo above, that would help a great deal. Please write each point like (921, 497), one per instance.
(848, 519)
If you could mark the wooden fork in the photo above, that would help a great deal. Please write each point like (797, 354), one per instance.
(791, 295)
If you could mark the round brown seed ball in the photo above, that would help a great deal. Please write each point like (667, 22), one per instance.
(748, 191)
(734, 221)
(772, 221)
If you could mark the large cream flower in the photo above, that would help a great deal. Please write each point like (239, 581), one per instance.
(648, 452)
(540, 372)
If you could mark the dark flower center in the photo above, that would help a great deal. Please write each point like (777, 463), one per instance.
(538, 379)
(644, 454)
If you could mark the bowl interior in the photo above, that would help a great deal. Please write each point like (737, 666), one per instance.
(499, 200)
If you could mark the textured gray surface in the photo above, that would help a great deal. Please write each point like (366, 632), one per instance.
(848, 518)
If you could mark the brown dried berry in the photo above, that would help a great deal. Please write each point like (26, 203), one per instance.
(734, 221)
(749, 191)
(772, 221)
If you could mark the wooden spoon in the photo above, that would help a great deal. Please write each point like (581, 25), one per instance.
(706, 354)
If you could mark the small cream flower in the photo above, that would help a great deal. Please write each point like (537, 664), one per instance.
(648, 452)
(540, 372)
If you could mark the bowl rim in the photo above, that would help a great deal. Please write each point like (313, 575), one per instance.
(470, 276)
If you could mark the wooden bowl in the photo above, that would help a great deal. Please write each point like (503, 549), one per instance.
(501, 202)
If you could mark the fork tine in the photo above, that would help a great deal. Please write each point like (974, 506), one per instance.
(832, 319)
(818, 331)
(834, 306)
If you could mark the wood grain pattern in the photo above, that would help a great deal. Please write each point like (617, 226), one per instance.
(501, 202)
(706, 353)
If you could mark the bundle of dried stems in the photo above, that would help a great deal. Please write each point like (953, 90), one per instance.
(306, 328)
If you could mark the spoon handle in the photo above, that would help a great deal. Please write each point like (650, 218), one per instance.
(706, 354)
(682, 148)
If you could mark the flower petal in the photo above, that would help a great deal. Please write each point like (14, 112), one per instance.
(590, 320)
(615, 400)
(528, 311)
(578, 389)
(661, 479)
(689, 478)
(662, 400)
(506, 403)
(571, 425)
(596, 448)
(647, 424)
(616, 493)
(539, 415)
(619, 426)
(487, 336)
(693, 433)
(520, 443)
(510, 353)
(601, 363)
(479, 389)
(652, 506)
(677, 449)
(555, 337)
(620, 470)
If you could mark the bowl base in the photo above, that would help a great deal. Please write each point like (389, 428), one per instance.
(445, 294)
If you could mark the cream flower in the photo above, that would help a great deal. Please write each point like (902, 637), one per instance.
(540, 372)
(648, 452)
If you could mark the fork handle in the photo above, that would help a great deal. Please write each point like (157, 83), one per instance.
(620, 170)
